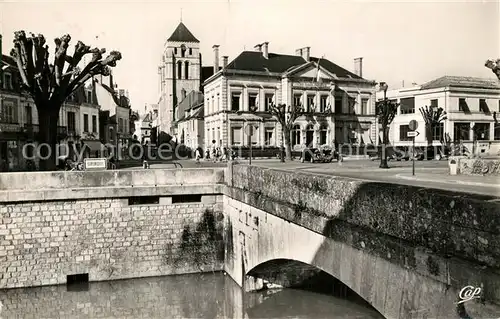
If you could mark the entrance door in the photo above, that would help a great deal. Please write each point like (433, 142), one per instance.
(4, 156)
(309, 136)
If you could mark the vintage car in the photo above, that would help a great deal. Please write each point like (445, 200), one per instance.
(320, 155)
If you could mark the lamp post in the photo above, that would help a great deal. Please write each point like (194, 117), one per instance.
(250, 130)
(383, 155)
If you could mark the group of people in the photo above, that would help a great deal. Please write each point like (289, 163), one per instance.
(215, 153)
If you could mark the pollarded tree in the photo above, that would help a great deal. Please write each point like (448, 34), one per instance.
(432, 116)
(386, 111)
(494, 66)
(286, 116)
(51, 84)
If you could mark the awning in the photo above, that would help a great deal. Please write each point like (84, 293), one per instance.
(94, 145)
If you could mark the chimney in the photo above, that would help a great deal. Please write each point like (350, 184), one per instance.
(224, 61)
(216, 58)
(265, 49)
(258, 47)
(306, 53)
(358, 67)
(298, 52)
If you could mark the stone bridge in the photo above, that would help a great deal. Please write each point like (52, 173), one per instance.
(405, 250)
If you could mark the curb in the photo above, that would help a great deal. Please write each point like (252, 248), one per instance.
(447, 181)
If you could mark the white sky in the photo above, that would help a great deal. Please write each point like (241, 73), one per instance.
(414, 41)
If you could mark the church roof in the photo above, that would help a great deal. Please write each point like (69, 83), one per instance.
(182, 34)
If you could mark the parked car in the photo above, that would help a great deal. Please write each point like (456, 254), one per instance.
(320, 155)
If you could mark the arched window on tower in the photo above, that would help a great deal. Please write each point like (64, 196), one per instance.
(190, 51)
(179, 70)
(183, 50)
(186, 70)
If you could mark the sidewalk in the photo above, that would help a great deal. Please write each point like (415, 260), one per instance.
(472, 180)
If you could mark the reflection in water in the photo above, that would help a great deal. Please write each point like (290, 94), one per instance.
(187, 296)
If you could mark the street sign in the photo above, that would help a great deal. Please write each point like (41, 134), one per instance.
(95, 163)
(413, 134)
(249, 130)
(413, 125)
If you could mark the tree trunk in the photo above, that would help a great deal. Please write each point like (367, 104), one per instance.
(288, 144)
(385, 141)
(47, 142)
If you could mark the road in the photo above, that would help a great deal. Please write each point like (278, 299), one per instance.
(430, 174)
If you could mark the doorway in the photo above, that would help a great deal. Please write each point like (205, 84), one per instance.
(309, 135)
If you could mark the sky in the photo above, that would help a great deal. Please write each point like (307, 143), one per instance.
(400, 41)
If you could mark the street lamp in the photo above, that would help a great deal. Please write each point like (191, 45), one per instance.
(251, 130)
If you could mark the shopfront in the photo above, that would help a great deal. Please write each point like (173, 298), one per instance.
(11, 148)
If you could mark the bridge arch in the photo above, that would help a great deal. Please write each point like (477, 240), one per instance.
(300, 274)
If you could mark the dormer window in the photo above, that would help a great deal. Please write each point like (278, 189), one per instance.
(7, 84)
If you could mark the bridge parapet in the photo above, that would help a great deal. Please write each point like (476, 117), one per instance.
(446, 236)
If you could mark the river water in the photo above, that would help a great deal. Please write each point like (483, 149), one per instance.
(212, 295)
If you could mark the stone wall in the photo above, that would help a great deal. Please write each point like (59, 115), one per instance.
(479, 166)
(172, 224)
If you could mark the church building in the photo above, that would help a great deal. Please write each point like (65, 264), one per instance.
(180, 74)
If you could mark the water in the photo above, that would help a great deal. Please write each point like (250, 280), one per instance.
(187, 296)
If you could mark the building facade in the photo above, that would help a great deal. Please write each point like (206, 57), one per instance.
(339, 105)
(469, 103)
(190, 126)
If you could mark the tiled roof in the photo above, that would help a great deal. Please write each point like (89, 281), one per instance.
(199, 113)
(280, 63)
(182, 34)
(461, 81)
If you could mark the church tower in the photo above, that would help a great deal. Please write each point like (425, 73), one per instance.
(179, 72)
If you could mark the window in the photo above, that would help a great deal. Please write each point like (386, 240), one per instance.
(496, 132)
(323, 131)
(89, 97)
(175, 50)
(186, 70)
(438, 132)
(338, 105)
(120, 125)
(482, 131)
(297, 100)
(8, 112)
(85, 122)
(364, 107)
(461, 131)
(179, 70)
(236, 135)
(29, 115)
(218, 102)
(295, 135)
(269, 137)
(434, 103)
(462, 105)
(407, 105)
(7, 81)
(235, 101)
(183, 50)
(190, 51)
(498, 105)
(94, 123)
(252, 101)
(71, 122)
(322, 103)
(483, 106)
(403, 133)
(269, 101)
(310, 103)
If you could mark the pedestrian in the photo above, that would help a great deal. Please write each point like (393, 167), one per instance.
(197, 155)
